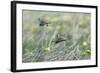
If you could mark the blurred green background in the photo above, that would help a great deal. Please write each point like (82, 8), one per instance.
(38, 42)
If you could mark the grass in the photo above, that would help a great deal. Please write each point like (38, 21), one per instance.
(39, 41)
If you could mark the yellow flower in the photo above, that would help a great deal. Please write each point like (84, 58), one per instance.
(85, 43)
(88, 51)
(84, 53)
(48, 49)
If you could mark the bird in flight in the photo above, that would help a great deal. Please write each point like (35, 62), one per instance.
(43, 22)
